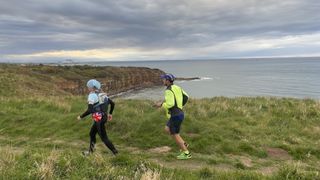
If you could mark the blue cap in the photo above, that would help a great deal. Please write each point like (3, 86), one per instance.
(169, 77)
(92, 83)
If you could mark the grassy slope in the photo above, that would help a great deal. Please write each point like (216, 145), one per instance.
(41, 138)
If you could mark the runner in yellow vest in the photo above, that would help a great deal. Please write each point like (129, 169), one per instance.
(173, 105)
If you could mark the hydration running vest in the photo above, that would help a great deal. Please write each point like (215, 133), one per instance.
(102, 104)
(175, 110)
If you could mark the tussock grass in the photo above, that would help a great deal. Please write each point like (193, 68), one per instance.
(46, 168)
(7, 158)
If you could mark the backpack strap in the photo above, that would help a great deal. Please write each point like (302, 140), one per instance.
(99, 104)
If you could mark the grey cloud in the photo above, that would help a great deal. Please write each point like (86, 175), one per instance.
(35, 26)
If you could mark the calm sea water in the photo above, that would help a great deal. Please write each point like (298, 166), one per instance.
(280, 77)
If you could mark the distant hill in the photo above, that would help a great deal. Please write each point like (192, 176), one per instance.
(57, 80)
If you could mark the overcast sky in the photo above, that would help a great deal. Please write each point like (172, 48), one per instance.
(46, 30)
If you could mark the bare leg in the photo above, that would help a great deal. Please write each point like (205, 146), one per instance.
(178, 139)
(180, 142)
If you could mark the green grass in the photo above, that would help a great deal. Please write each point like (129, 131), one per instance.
(40, 138)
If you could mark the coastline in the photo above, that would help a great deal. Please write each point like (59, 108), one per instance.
(30, 79)
(57, 79)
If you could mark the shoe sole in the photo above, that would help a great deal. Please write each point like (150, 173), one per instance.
(183, 158)
(85, 153)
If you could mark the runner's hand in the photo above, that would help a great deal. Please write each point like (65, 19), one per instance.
(158, 104)
(79, 118)
(109, 117)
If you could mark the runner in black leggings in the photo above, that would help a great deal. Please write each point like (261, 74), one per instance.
(99, 115)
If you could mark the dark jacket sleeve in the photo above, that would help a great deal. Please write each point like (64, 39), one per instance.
(88, 111)
(112, 104)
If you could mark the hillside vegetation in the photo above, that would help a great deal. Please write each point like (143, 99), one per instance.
(61, 80)
(230, 138)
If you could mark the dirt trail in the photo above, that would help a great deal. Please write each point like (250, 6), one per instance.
(278, 153)
(158, 155)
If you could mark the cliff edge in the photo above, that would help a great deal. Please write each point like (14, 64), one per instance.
(55, 80)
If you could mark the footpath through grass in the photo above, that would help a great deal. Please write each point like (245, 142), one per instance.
(237, 138)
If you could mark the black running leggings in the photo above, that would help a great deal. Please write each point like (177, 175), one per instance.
(98, 127)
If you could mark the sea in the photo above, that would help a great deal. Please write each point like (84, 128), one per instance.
(268, 77)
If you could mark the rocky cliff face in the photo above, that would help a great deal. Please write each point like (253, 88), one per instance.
(115, 80)
(72, 79)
